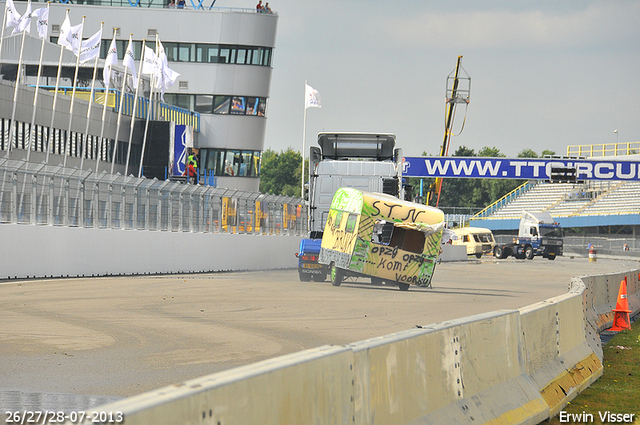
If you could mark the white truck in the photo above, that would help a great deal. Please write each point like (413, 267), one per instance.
(538, 235)
(366, 161)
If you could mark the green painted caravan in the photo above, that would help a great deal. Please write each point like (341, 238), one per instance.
(381, 237)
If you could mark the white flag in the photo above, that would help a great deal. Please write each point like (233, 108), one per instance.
(168, 76)
(91, 47)
(111, 59)
(13, 17)
(42, 21)
(129, 62)
(24, 24)
(70, 35)
(312, 97)
(151, 63)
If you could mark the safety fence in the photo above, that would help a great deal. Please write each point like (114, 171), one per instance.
(42, 194)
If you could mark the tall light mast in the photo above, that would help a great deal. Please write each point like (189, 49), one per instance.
(458, 91)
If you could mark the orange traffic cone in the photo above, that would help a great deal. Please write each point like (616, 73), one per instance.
(621, 318)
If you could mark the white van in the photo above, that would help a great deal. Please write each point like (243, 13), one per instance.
(478, 240)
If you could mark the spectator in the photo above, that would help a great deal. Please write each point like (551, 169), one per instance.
(259, 7)
(625, 247)
(266, 8)
(181, 4)
(172, 4)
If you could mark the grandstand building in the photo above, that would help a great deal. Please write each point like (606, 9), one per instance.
(224, 58)
(603, 213)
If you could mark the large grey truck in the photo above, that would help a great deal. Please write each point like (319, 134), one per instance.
(366, 161)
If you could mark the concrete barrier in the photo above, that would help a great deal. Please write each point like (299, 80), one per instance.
(78, 251)
(466, 371)
(506, 367)
(453, 253)
(312, 386)
(557, 356)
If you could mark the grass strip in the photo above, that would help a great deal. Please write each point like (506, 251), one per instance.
(617, 392)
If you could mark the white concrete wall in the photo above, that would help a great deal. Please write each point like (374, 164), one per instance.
(43, 251)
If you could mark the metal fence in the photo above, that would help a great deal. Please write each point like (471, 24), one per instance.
(42, 194)
(581, 243)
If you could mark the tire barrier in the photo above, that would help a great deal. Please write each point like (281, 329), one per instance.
(504, 367)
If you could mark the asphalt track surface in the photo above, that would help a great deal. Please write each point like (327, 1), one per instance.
(120, 336)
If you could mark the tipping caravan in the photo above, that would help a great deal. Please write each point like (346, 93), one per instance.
(382, 237)
(478, 240)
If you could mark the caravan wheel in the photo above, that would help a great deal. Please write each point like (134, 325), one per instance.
(336, 275)
(403, 286)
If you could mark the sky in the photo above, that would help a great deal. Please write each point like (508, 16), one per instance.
(544, 74)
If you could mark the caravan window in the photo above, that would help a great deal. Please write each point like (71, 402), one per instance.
(338, 219)
(351, 223)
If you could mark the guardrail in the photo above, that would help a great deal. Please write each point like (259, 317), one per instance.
(41, 194)
(511, 366)
(606, 149)
(159, 110)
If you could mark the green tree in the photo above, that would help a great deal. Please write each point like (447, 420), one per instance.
(280, 172)
(547, 152)
(527, 153)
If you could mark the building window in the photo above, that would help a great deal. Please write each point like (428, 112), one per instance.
(204, 103)
(237, 105)
(196, 52)
(231, 162)
(221, 104)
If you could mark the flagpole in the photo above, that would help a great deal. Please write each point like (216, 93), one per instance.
(135, 102)
(15, 96)
(32, 136)
(55, 99)
(67, 142)
(93, 85)
(146, 125)
(104, 106)
(304, 137)
(124, 80)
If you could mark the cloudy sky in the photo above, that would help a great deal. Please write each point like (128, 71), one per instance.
(544, 74)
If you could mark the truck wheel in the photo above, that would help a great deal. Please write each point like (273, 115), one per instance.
(478, 255)
(403, 286)
(336, 275)
(528, 252)
(304, 277)
(498, 252)
(552, 257)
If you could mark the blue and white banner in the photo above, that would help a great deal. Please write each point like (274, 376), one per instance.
(518, 168)
(181, 139)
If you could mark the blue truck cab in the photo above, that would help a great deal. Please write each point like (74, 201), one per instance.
(308, 266)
